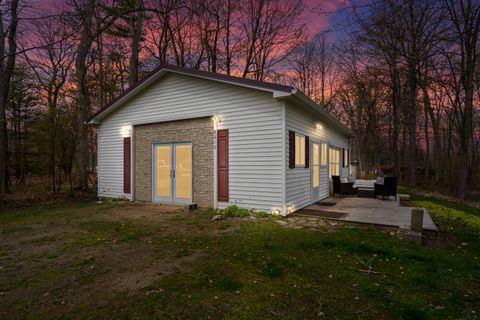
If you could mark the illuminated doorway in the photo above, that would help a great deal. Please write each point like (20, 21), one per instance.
(172, 173)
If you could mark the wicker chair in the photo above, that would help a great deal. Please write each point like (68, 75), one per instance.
(343, 188)
(388, 188)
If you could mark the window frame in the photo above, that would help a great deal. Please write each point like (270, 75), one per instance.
(316, 166)
(338, 163)
(300, 156)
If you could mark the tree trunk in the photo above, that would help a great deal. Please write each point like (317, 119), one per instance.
(136, 33)
(84, 46)
(466, 143)
(7, 64)
(82, 109)
(437, 145)
(412, 126)
(396, 119)
(427, 145)
(228, 53)
(3, 147)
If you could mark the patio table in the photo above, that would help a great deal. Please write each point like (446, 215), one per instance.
(365, 188)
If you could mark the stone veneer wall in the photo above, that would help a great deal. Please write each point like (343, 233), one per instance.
(198, 131)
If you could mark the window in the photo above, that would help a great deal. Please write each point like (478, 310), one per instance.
(346, 158)
(299, 150)
(334, 161)
(323, 159)
(315, 164)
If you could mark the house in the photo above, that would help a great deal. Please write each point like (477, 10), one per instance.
(190, 136)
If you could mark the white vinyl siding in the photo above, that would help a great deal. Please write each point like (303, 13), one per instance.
(323, 155)
(254, 120)
(298, 180)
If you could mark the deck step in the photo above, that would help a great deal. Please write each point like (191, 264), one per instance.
(190, 206)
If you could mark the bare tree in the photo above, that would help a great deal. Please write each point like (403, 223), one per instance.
(51, 63)
(130, 27)
(378, 38)
(159, 26)
(91, 21)
(360, 103)
(404, 33)
(312, 63)
(136, 30)
(270, 29)
(464, 18)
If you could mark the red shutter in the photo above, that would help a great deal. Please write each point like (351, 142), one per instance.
(307, 152)
(126, 165)
(222, 164)
(291, 149)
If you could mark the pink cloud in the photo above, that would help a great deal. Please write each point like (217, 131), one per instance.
(318, 14)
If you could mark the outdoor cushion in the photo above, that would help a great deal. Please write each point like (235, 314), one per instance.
(379, 180)
(345, 180)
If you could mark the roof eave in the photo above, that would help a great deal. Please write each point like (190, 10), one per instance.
(227, 81)
(328, 118)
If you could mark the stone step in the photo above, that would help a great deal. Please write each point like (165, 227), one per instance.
(190, 206)
(409, 235)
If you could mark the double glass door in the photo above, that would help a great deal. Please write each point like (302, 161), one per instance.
(172, 176)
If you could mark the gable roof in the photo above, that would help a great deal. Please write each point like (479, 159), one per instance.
(279, 91)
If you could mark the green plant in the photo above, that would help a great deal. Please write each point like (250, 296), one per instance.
(261, 214)
(234, 211)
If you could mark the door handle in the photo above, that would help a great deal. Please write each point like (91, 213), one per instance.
(173, 172)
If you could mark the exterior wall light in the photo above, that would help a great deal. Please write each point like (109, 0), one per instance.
(125, 131)
(318, 125)
(217, 119)
(276, 212)
(289, 208)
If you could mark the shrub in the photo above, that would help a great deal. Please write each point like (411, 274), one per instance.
(234, 211)
(261, 214)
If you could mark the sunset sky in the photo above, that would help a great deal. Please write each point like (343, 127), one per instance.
(332, 16)
(320, 15)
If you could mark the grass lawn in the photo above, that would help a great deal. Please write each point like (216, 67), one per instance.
(122, 260)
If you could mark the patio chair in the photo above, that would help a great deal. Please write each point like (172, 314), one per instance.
(343, 188)
(387, 189)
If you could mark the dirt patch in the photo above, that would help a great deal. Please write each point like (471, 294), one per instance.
(90, 254)
(229, 229)
(137, 279)
(142, 213)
